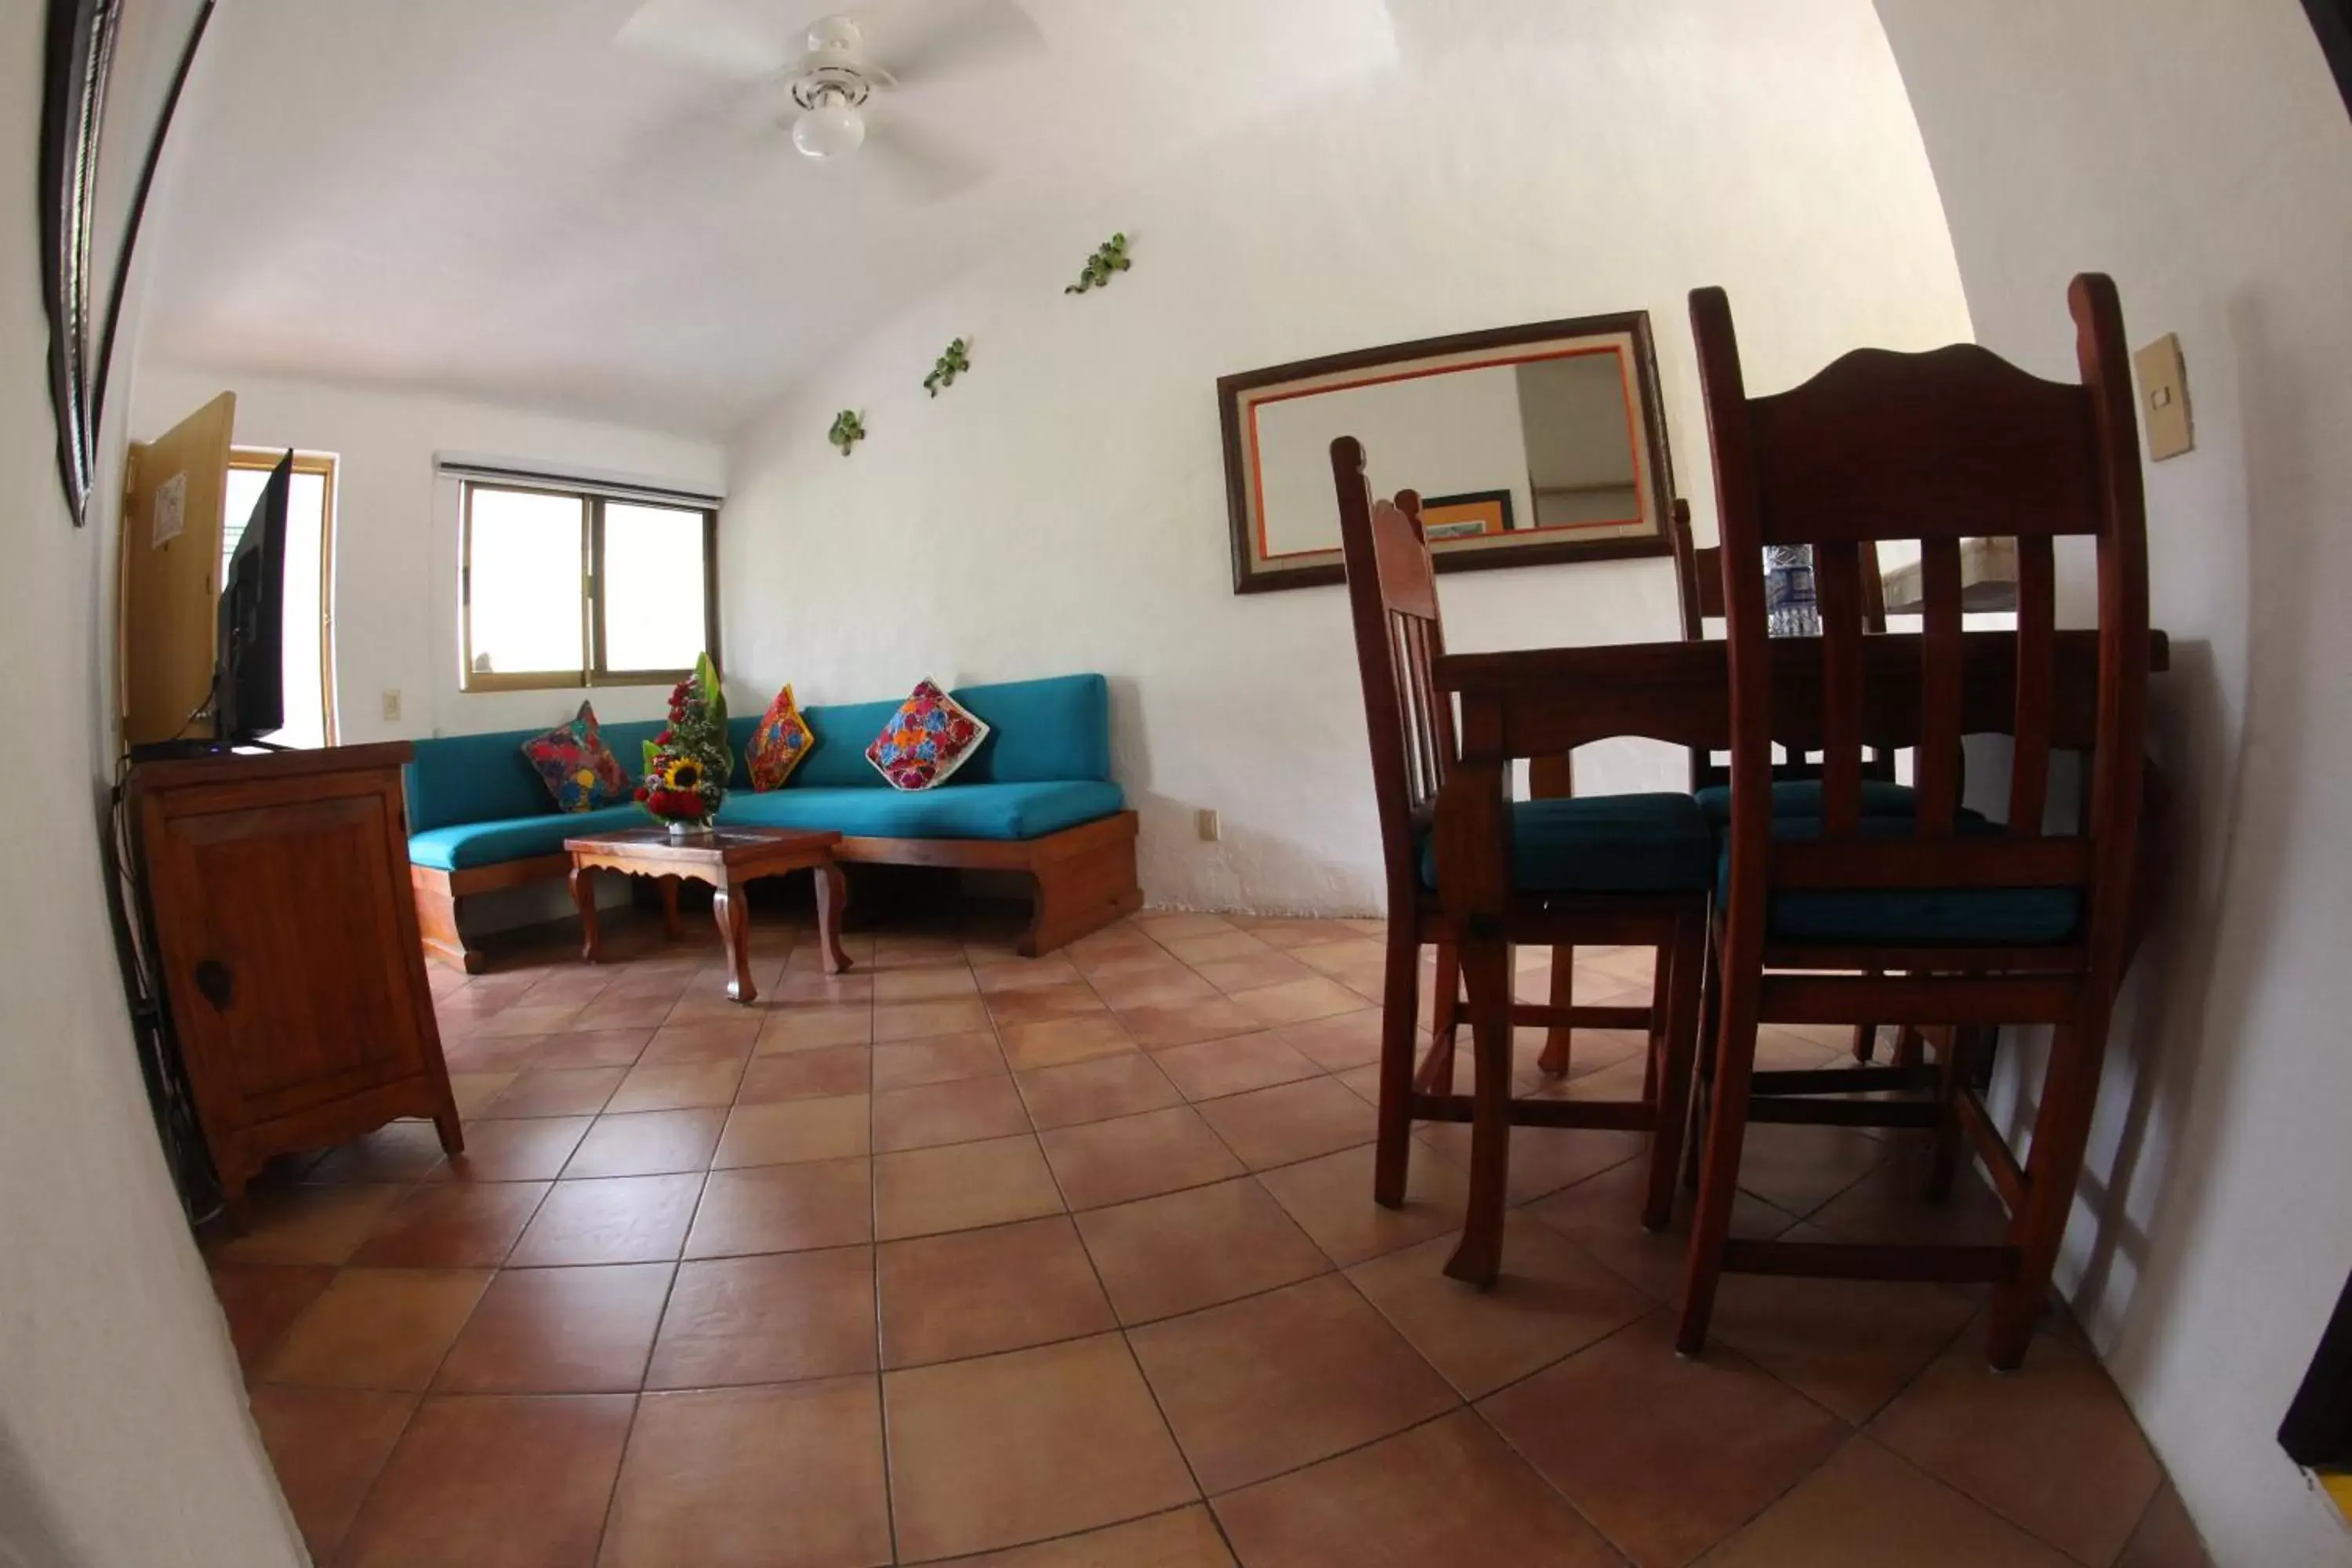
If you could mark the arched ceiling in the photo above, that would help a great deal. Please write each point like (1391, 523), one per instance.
(508, 199)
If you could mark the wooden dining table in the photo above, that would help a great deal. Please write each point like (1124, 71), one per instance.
(1545, 702)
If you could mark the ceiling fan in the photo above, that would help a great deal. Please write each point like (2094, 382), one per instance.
(838, 96)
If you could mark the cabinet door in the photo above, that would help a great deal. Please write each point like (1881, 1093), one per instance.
(290, 973)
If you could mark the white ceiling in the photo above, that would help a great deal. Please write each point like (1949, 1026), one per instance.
(508, 199)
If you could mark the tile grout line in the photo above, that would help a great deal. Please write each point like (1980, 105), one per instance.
(874, 1262)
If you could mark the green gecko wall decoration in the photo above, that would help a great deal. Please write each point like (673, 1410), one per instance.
(1109, 257)
(950, 365)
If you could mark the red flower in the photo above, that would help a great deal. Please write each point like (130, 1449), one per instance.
(641, 791)
(665, 738)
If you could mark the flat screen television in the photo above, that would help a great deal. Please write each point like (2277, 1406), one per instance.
(248, 672)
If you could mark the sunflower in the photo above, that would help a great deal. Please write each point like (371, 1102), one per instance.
(682, 773)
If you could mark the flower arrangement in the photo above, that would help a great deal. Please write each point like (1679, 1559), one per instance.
(687, 764)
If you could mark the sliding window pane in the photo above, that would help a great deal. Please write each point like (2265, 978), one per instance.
(524, 568)
(652, 587)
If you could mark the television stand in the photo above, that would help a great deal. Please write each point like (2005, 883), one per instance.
(287, 948)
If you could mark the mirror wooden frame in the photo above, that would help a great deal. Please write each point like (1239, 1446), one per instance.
(1238, 394)
(79, 58)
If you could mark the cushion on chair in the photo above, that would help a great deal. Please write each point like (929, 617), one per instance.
(928, 737)
(1604, 844)
(578, 769)
(1803, 797)
(777, 742)
(463, 846)
(963, 811)
(1908, 917)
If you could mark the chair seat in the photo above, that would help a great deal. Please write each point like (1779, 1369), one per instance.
(1912, 917)
(1803, 797)
(1603, 844)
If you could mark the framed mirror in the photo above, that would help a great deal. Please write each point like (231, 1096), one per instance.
(112, 73)
(1529, 445)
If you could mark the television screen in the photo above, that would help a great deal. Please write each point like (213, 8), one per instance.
(248, 672)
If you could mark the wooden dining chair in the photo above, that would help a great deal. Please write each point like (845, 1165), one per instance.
(1969, 923)
(1601, 870)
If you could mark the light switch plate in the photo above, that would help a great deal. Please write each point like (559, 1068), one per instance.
(1211, 831)
(392, 705)
(2164, 398)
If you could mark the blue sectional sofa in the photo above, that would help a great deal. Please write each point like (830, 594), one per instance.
(1036, 799)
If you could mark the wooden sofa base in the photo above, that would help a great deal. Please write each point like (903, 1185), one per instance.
(437, 893)
(1083, 878)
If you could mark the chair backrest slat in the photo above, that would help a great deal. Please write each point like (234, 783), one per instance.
(1936, 448)
(1936, 766)
(1393, 598)
(2037, 618)
(1837, 585)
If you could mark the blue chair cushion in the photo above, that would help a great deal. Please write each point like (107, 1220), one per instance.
(1912, 917)
(955, 810)
(1604, 844)
(1803, 797)
(461, 845)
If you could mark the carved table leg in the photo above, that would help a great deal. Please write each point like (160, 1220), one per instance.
(831, 895)
(734, 917)
(670, 909)
(584, 898)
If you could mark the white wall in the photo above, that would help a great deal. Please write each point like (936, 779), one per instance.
(2200, 154)
(124, 1437)
(397, 530)
(1062, 507)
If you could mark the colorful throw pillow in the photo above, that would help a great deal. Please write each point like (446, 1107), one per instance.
(930, 737)
(778, 745)
(578, 770)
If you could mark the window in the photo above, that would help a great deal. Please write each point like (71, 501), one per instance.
(309, 636)
(565, 586)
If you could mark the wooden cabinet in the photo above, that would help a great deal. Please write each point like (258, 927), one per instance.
(276, 890)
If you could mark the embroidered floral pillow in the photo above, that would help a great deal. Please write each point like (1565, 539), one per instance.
(578, 770)
(929, 738)
(778, 745)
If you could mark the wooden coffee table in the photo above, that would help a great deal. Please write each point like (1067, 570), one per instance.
(727, 858)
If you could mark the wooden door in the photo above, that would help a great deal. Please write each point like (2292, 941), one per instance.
(290, 945)
(169, 571)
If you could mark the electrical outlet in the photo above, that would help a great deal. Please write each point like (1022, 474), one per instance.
(1210, 832)
(392, 704)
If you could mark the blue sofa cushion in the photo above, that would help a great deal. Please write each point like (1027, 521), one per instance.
(1604, 844)
(461, 845)
(1803, 797)
(1931, 917)
(1041, 732)
(957, 810)
(456, 779)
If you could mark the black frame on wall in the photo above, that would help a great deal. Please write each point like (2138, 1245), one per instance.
(80, 53)
(2332, 20)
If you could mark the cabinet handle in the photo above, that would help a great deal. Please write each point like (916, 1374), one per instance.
(213, 983)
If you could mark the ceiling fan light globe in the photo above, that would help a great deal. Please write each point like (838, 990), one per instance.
(829, 130)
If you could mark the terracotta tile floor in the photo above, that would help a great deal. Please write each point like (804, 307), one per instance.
(967, 1257)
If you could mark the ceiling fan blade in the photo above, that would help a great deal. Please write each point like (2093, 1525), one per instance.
(712, 35)
(935, 40)
(923, 165)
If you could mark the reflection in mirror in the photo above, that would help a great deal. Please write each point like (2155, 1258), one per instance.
(1531, 444)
